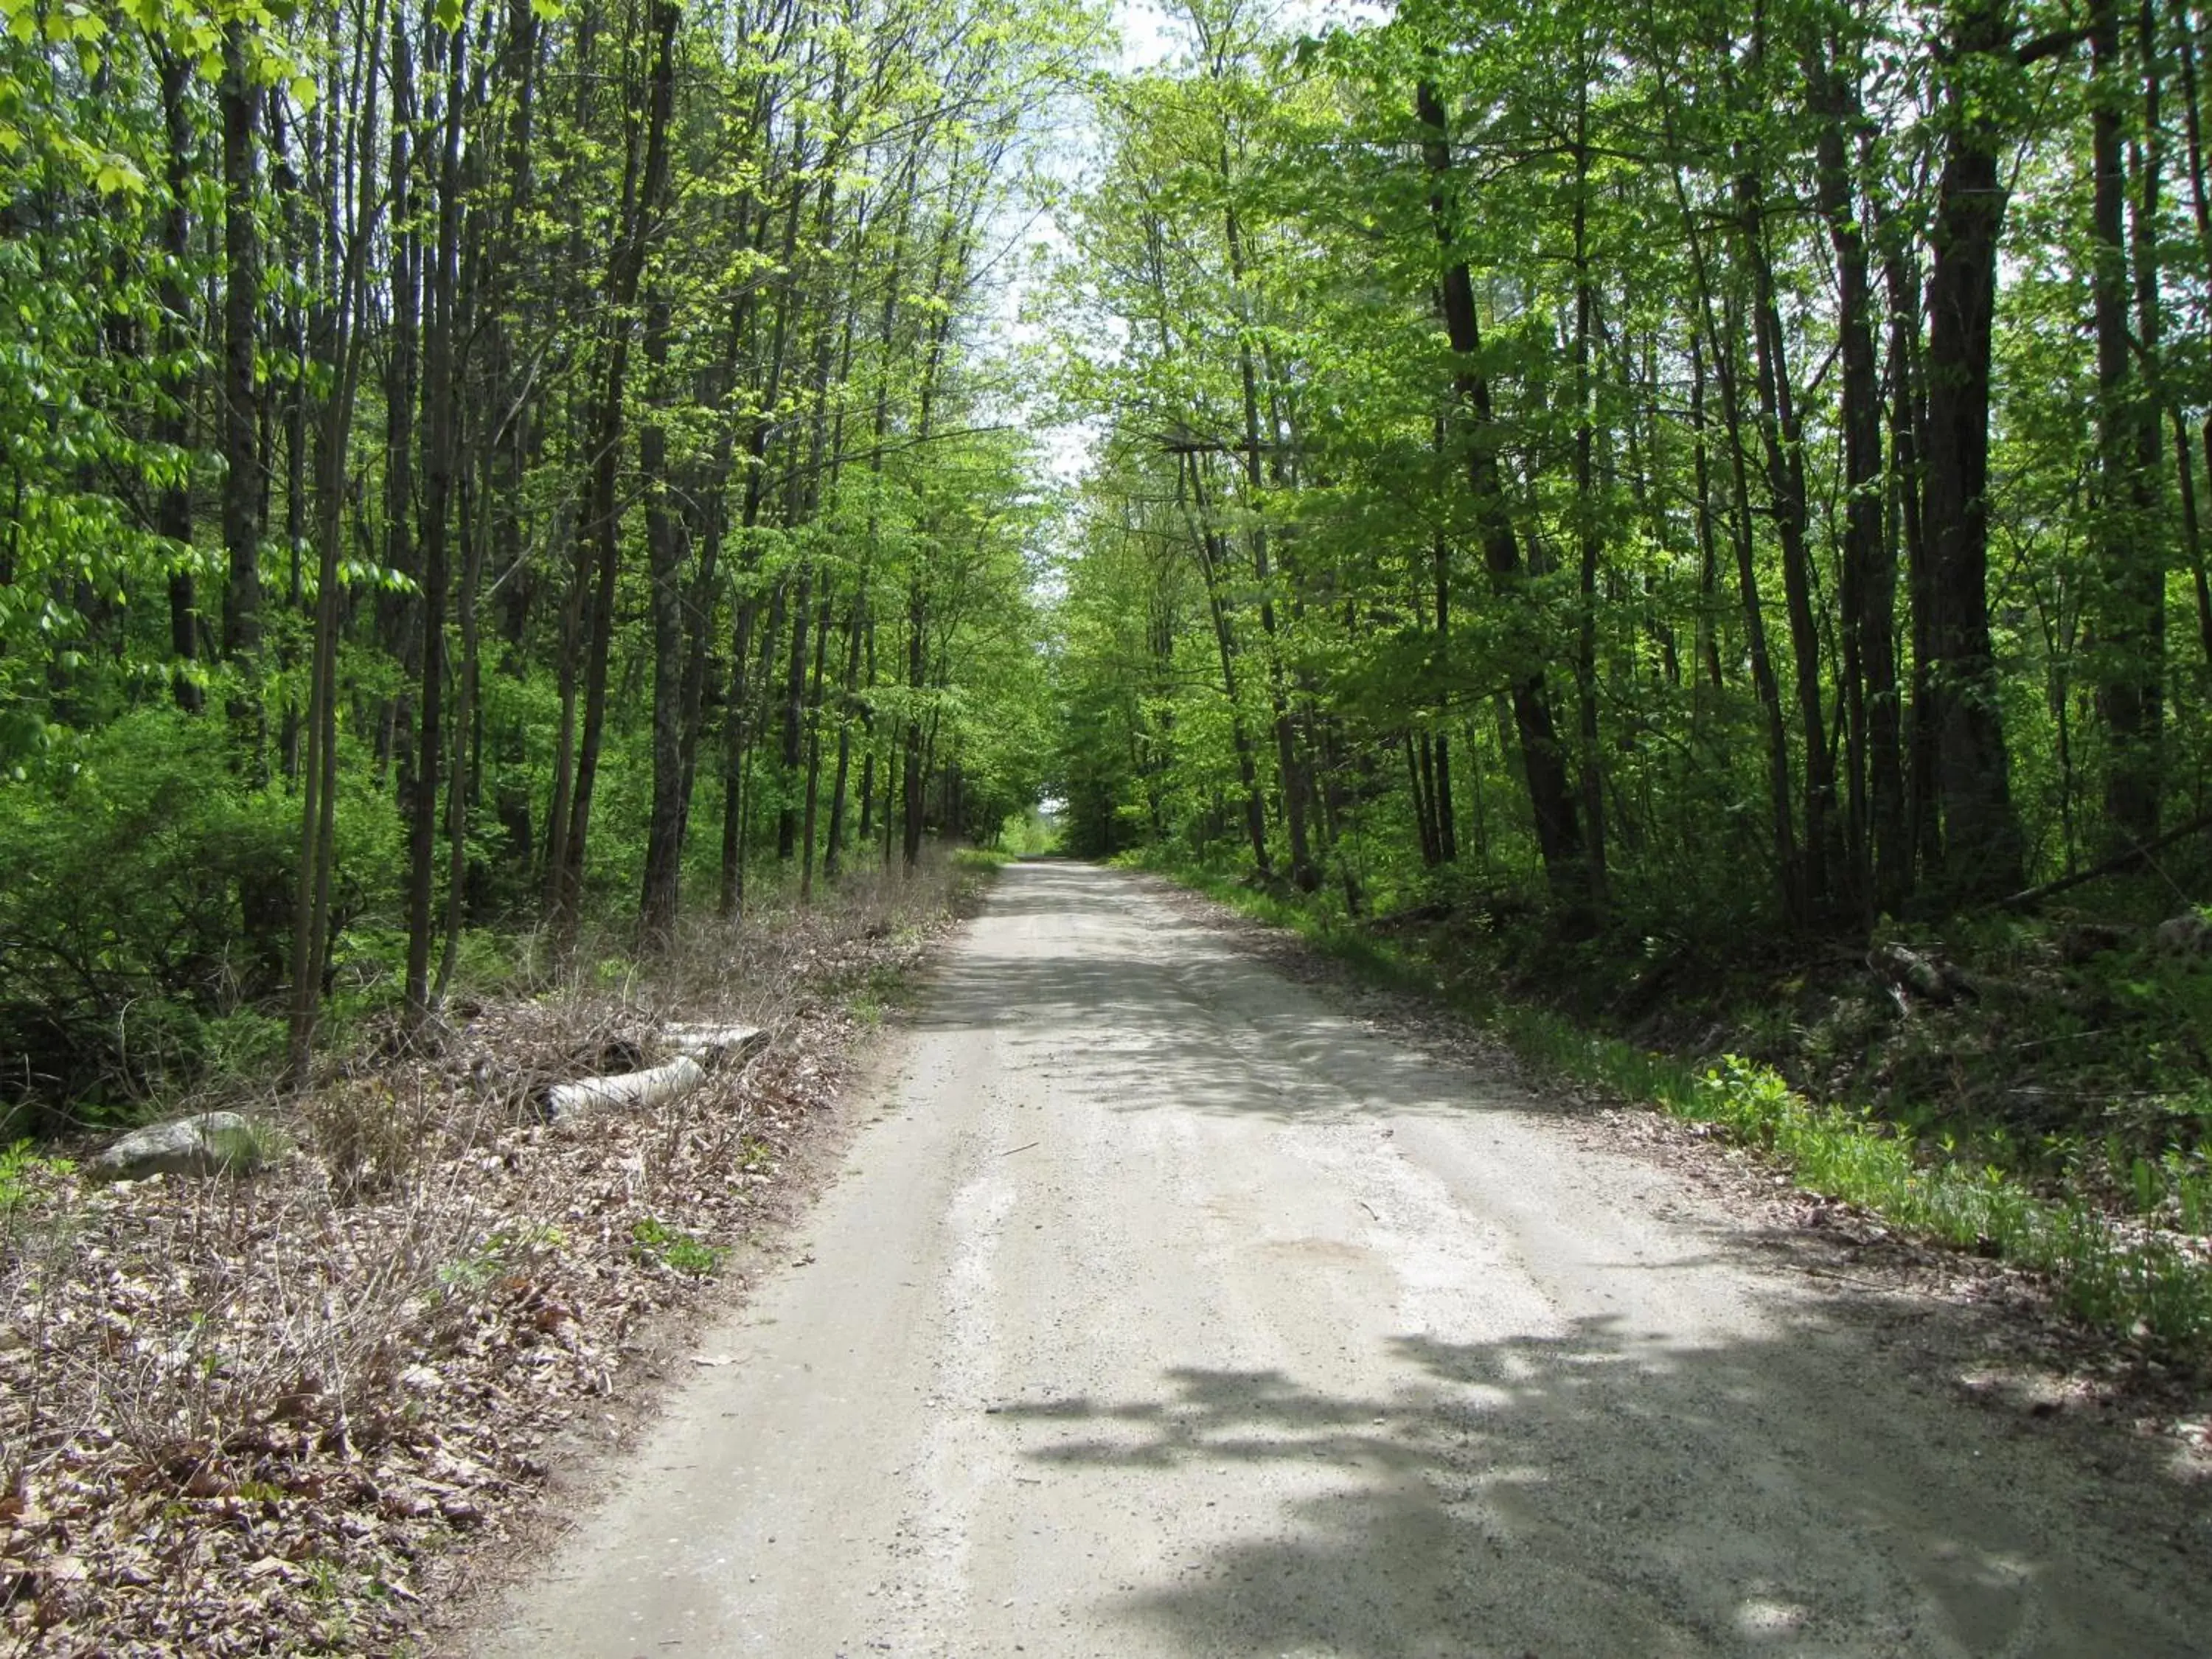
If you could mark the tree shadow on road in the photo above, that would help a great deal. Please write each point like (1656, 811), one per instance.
(1152, 1008)
(1592, 1494)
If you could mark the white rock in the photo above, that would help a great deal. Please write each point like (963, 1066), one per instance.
(213, 1143)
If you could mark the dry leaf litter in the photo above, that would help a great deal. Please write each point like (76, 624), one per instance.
(272, 1414)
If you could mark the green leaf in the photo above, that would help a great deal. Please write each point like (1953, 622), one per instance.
(118, 177)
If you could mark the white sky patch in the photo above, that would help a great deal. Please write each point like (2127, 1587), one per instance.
(1065, 154)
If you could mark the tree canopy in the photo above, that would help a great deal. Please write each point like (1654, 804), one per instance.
(478, 463)
(1691, 465)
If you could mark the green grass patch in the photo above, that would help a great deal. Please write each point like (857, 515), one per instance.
(2110, 1272)
(657, 1242)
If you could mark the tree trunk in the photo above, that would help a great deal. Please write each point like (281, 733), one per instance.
(600, 526)
(1783, 442)
(1876, 804)
(173, 511)
(240, 100)
(440, 455)
(1589, 537)
(665, 556)
(318, 774)
(1982, 850)
(1921, 853)
(2200, 203)
(2131, 576)
(1550, 799)
(1303, 873)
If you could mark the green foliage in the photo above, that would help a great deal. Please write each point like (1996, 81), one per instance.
(810, 429)
(1030, 833)
(148, 900)
(1289, 593)
(2116, 1277)
(659, 1244)
(25, 1178)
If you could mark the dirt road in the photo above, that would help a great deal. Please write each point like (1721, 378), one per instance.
(1162, 1310)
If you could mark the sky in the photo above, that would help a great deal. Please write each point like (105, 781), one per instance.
(1066, 150)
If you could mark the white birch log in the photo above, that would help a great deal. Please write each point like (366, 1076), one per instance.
(631, 1090)
(715, 1045)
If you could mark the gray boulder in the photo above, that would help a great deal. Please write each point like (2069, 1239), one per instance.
(2185, 935)
(214, 1143)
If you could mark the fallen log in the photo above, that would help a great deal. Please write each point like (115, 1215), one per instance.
(2136, 855)
(1935, 980)
(715, 1046)
(630, 1090)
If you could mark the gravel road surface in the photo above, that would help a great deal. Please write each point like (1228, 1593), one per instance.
(1161, 1309)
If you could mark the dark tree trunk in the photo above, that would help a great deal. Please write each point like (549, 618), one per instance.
(398, 608)
(240, 100)
(1981, 847)
(1588, 537)
(1783, 440)
(665, 556)
(2200, 204)
(2126, 653)
(1922, 853)
(794, 710)
(1551, 798)
(1875, 804)
(910, 808)
(173, 511)
(1303, 872)
(599, 529)
(441, 454)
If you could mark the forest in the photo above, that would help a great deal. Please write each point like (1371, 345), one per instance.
(1729, 463)
(479, 470)
(492, 482)
(1688, 512)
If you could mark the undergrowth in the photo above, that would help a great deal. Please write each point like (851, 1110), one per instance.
(361, 1348)
(2123, 1274)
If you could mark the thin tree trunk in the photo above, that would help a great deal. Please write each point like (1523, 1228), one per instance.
(1922, 855)
(173, 511)
(814, 753)
(1589, 539)
(601, 525)
(1783, 441)
(440, 455)
(664, 550)
(1876, 797)
(239, 98)
(1303, 875)
(311, 909)
(2200, 203)
(2130, 578)
(1559, 832)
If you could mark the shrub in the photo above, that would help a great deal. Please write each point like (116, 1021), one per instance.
(148, 897)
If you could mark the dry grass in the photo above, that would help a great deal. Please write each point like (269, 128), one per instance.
(255, 1415)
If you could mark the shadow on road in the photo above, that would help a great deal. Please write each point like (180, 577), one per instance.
(1588, 1495)
(1591, 1492)
(1153, 1008)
